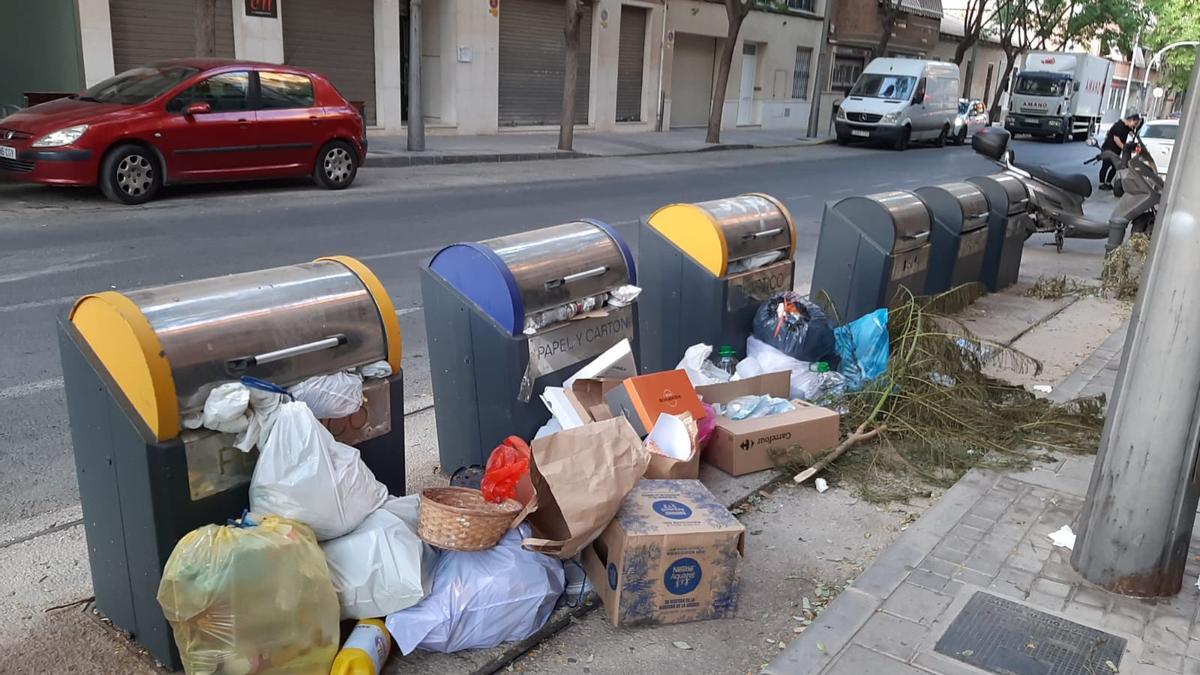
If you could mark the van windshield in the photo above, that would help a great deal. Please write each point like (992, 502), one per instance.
(1040, 86)
(876, 85)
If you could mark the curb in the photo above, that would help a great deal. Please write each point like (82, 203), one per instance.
(398, 160)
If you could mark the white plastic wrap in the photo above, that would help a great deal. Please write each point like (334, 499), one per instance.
(482, 599)
(377, 370)
(304, 474)
(264, 406)
(331, 396)
(805, 383)
(699, 369)
(382, 566)
(225, 408)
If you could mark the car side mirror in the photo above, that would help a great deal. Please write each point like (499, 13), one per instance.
(197, 109)
(1075, 87)
(919, 97)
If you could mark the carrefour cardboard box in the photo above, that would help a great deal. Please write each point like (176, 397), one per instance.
(669, 556)
(739, 447)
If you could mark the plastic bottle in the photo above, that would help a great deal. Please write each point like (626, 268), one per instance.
(365, 650)
(727, 359)
(818, 367)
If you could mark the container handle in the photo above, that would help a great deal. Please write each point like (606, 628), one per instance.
(764, 233)
(578, 276)
(242, 364)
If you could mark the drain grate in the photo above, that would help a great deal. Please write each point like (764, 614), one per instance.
(1008, 638)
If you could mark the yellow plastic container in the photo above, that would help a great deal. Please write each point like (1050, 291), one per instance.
(365, 651)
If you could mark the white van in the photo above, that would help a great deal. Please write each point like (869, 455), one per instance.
(898, 100)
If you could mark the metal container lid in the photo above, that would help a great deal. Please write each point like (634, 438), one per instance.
(966, 198)
(515, 275)
(899, 220)
(723, 231)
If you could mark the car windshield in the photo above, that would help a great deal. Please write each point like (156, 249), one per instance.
(963, 106)
(875, 85)
(1164, 131)
(137, 85)
(1040, 86)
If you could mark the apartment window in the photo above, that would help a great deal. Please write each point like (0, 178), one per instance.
(800, 76)
(846, 70)
(1114, 97)
(802, 5)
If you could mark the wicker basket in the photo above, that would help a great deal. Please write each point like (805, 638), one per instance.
(460, 519)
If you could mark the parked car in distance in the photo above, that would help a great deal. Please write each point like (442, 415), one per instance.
(972, 116)
(1158, 137)
(900, 100)
(188, 120)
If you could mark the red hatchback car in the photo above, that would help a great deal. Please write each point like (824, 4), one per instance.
(188, 120)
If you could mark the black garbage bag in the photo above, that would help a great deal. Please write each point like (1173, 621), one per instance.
(798, 328)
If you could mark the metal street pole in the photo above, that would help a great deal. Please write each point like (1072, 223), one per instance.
(1137, 39)
(822, 73)
(1157, 58)
(416, 113)
(1137, 520)
(967, 81)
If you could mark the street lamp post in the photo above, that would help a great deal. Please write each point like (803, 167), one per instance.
(1137, 521)
(1155, 59)
(1137, 40)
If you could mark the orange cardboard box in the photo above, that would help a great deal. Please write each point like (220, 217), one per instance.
(642, 398)
(739, 447)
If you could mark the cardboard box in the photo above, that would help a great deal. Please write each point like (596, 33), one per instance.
(739, 447)
(669, 556)
(641, 399)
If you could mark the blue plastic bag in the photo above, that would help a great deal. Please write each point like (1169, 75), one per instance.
(864, 346)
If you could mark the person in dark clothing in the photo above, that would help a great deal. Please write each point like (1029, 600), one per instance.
(1115, 141)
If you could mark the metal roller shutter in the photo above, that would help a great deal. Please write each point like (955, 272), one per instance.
(144, 31)
(336, 39)
(629, 63)
(692, 79)
(532, 51)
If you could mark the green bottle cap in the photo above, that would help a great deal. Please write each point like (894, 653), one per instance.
(820, 367)
(726, 350)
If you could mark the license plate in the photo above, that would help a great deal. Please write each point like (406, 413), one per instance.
(860, 132)
(7, 152)
(1033, 121)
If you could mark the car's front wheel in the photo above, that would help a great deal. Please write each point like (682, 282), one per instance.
(336, 166)
(130, 174)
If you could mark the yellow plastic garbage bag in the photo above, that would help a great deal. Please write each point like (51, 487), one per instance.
(251, 600)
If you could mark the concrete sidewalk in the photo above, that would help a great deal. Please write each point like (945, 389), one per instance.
(987, 542)
(390, 150)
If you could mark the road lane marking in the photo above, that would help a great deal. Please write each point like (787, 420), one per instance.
(34, 304)
(790, 197)
(64, 267)
(399, 254)
(22, 390)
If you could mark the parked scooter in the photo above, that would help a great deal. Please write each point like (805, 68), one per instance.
(1056, 199)
(1139, 187)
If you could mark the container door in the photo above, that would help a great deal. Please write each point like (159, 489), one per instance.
(746, 93)
(532, 56)
(336, 39)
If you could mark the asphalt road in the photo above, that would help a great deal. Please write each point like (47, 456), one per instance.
(56, 245)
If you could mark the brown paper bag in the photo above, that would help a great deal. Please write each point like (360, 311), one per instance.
(663, 466)
(580, 477)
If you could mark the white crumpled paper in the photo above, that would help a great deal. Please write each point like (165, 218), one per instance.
(1063, 537)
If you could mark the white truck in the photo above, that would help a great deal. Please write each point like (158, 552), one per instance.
(1058, 94)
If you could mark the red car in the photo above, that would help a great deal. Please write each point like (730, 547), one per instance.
(187, 120)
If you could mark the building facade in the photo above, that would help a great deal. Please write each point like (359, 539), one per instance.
(989, 60)
(487, 65)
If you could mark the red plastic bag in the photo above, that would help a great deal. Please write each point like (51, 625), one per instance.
(508, 463)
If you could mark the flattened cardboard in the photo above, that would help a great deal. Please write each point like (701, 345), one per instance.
(669, 556)
(642, 398)
(739, 447)
(586, 395)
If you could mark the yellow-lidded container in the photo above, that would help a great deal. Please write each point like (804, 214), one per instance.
(365, 651)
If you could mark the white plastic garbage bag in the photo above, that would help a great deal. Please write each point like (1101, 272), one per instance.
(482, 599)
(331, 396)
(304, 474)
(382, 566)
(264, 406)
(699, 369)
(225, 408)
(806, 384)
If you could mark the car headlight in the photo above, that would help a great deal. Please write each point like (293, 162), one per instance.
(1054, 122)
(65, 136)
(890, 118)
(1010, 120)
(841, 113)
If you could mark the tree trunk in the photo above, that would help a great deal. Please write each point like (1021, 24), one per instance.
(566, 125)
(961, 50)
(206, 27)
(1002, 86)
(736, 15)
(887, 24)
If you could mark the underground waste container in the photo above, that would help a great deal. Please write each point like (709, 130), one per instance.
(1007, 229)
(509, 316)
(869, 248)
(706, 268)
(958, 238)
(137, 363)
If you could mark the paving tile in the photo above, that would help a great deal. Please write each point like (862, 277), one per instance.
(916, 604)
(956, 543)
(942, 665)
(891, 568)
(950, 555)
(1170, 661)
(1122, 623)
(1191, 667)
(939, 566)
(858, 660)
(1050, 588)
(891, 635)
(987, 559)
(832, 630)
(1167, 633)
(1025, 561)
(929, 580)
(1094, 597)
(977, 522)
(1085, 614)
(968, 532)
(973, 578)
(1013, 583)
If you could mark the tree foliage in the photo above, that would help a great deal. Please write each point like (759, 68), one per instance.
(1177, 20)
